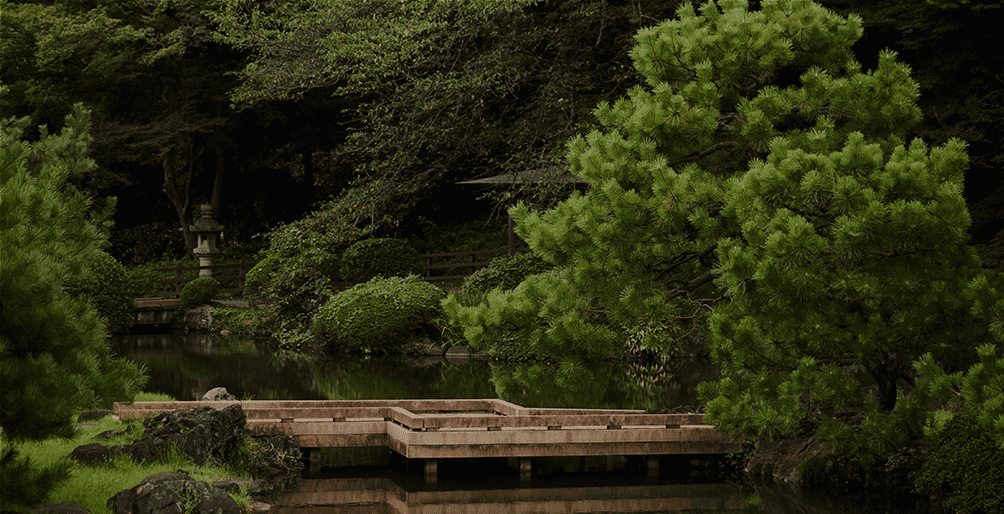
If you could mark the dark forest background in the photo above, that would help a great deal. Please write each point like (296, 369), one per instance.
(271, 110)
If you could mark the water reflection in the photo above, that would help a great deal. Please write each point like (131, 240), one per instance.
(383, 494)
(185, 366)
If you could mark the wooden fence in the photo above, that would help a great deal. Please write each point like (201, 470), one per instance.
(439, 267)
(469, 261)
(232, 283)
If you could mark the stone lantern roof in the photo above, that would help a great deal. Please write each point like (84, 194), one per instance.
(206, 223)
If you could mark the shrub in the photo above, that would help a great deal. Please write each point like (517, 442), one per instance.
(259, 280)
(965, 469)
(379, 315)
(199, 291)
(504, 272)
(108, 288)
(385, 257)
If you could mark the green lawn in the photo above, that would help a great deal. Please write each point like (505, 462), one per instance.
(92, 487)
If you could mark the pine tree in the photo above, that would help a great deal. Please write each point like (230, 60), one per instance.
(850, 266)
(54, 357)
(636, 252)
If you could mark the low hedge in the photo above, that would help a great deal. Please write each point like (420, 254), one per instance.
(381, 315)
(199, 291)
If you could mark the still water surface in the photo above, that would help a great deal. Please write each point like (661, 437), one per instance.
(185, 366)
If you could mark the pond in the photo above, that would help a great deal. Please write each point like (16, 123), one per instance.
(186, 366)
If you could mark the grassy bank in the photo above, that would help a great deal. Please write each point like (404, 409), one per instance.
(92, 487)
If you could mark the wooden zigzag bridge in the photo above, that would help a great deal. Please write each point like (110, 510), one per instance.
(452, 429)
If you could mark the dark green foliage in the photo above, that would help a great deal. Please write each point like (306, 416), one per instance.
(851, 265)
(259, 279)
(23, 485)
(301, 262)
(504, 272)
(965, 469)
(379, 257)
(145, 279)
(380, 315)
(54, 357)
(199, 291)
(107, 286)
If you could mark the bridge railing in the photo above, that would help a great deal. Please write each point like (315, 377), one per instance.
(428, 415)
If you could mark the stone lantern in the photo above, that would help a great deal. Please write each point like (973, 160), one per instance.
(208, 231)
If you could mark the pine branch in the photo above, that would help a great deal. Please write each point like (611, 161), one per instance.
(696, 156)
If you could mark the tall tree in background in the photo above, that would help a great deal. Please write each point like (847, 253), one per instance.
(153, 77)
(446, 91)
(54, 357)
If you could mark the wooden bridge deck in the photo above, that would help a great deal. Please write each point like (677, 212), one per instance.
(448, 429)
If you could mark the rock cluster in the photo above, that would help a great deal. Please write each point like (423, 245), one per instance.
(203, 435)
(200, 434)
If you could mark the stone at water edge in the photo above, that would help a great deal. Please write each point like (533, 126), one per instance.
(218, 394)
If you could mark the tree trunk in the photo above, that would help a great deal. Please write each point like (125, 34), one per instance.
(178, 190)
(217, 199)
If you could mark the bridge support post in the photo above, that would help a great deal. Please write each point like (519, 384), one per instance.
(311, 459)
(653, 466)
(431, 470)
(524, 469)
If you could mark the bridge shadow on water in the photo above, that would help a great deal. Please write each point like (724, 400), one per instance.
(490, 487)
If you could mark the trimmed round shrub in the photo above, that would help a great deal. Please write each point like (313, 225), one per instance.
(379, 257)
(504, 272)
(107, 286)
(258, 280)
(382, 315)
(199, 291)
(965, 468)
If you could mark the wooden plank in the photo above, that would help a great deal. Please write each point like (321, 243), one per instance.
(342, 441)
(543, 436)
(506, 408)
(321, 427)
(544, 443)
(407, 404)
(604, 420)
(317, 412)
(561, 412)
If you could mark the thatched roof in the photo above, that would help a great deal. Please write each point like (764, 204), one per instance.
(553, 175)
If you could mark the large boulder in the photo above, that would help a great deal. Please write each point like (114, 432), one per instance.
(172, 492)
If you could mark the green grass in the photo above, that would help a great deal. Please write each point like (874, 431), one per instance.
(154, 397)
(92, 487)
